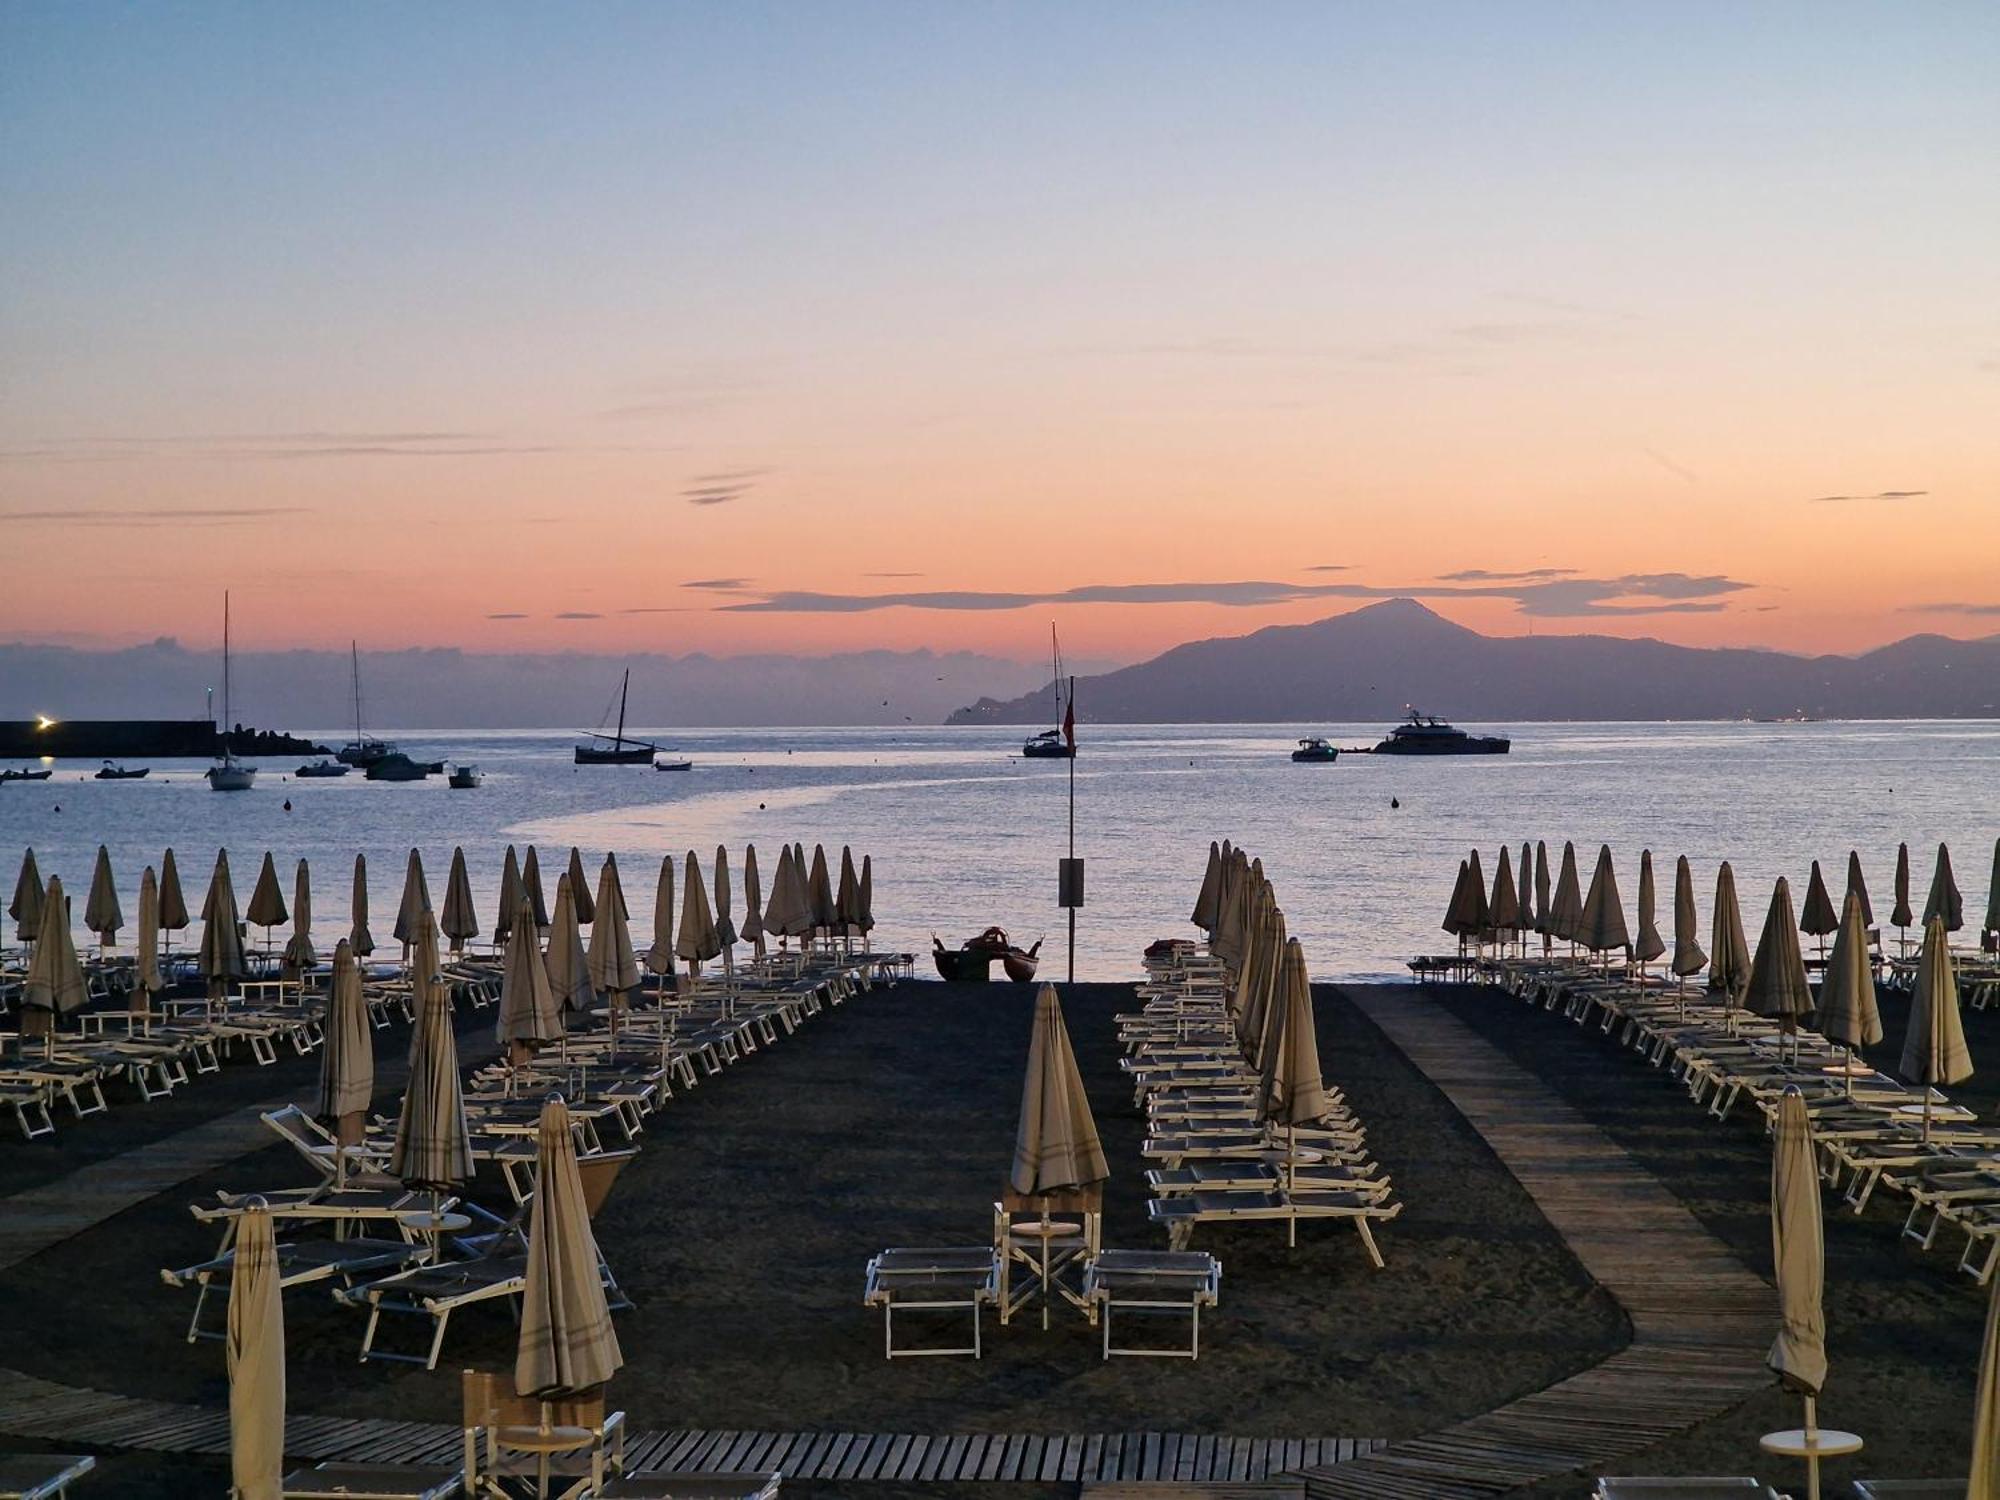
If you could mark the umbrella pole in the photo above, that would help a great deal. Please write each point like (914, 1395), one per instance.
(1812, 1449)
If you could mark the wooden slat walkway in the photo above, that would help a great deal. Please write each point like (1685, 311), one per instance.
(42, 1409)
(1701, 1321)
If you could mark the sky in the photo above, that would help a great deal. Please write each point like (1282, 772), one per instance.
(812, 327)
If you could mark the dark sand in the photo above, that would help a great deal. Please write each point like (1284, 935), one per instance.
(1903, 1326)
(743, 1229)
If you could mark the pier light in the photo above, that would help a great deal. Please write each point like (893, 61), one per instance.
(43, 721)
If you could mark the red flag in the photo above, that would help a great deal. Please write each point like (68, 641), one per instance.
(1069, 720)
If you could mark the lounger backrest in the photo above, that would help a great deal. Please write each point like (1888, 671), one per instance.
(489, 1399)
(598, 1172)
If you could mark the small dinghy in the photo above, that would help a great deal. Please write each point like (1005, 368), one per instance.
(109, 772)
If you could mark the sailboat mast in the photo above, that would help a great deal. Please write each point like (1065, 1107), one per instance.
(623, 688)
(225, 674)
(354, 650)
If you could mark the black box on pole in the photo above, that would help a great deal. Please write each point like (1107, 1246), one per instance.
(1069, 883)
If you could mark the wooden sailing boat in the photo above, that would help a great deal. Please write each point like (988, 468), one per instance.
(1051, 744)
(615, 749)
(228, 774)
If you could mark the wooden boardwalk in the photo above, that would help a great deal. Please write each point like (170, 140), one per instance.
(1701, 1321)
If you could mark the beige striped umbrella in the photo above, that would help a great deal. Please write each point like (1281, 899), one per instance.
(256, 1360)
(614, 968)
(1901, 917)
(1688, 955)
(415, 909)
(1566, 911)
(566, 1343)
(1293, 1092)
(1462, 913)
(433, 1148)
(1992, 923)
(579, 889)
(54, 984)
(221, 940)
(1055, 1144)
(567, 963)
(1264, 954)
(26, 907)
(1847, 1010)
(867, 897)
(1544, 908)
(1778, 985)
(1934, 1052)
(527, 1009)
(510, 897)
(267, 900)
(1229, 909)
(347, 1058)
(1648, 945)
(725, 920)
(825, 915)
(1475, 877)
(660, 957)
(1984, 1483)
(847, 896)
(1244, 994)
(359, 938)
(1503, 909)
(531, 884)
(752, 930)
(1816, 915)
(146, 981)
(779, 911)
(1859, 887)
(1206, 903)
(1601, 926)
(1798, 1250)
(101, 912)
(1944, 899)
(699, 941)
(173, 904)
(459, 920)
(1728, 949)
(299, 956)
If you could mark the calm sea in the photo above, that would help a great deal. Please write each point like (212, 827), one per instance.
(965, 833)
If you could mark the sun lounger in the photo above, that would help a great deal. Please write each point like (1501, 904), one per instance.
(932, 1280)
(1683, 1489)
(1909, 1489)
(345, 1481)
(30, 1102)
(434, 1292)
(41, 1476)
(665, 1484)
(1178, 1215)
(300, 1263)
(1153, 1283)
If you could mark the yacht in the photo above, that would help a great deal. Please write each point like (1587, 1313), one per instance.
(321, 767)
(1317, 751)
(1424, 734)
(228, 774)
(364, 750)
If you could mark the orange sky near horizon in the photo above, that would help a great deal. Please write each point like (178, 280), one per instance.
(402, 339)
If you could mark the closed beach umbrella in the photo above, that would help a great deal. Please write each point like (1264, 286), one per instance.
(1992, 923)
(1847, 1010)
(1944, 900)
(55, 977)
(614, 968)
(433, 1148)
(1985, 1480)
(101, 913)
(1648, 945)
(1602, 924)
(255, 1355)
(458, 919)
(1503, 910)
(1728, 950)
(1934, 1053)
(782, 913)
(414, 911)
(579, 888)
(867, 922)
(424, 971)
(510, 897)
(566, 961)
(1798, 1250)
(173, 905)
(725, 916)
(359, 938)
(566, 1341)
(1476, 885)
(299, 955)
(531, 883)
(528, 1014)
(1462, 912)
(1293, 1092)
(347, 1060)
(1544, 906)
(1566, 911)
(267, 900)
(1902, 916)
(660, 957)
(1205, 902)
(1264, 956)
(752, 931)
(1688, 957)
(847, 898)
(221, 942)
(1055, 1145)
(1816, 916)
(146, 981)
(26, 907)
(1778, 986)
(1859, 887)
(698, 940)
(825, 915)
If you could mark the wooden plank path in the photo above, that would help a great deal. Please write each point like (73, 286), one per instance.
(1701, 1321)
(43, 1409)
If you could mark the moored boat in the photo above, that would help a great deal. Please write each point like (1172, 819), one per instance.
(1048, 745)
(614, 749)
(228, 774)
(1316, 750)
(110, 772)
(397, 766)
(1425, 734)
(464, 778)
(322, 767)
(42, 775)
(673, 765)
(973, 959)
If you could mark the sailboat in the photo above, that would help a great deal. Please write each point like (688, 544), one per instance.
(615, 749)
(364, 750)
(228, 774)
(1051, 744)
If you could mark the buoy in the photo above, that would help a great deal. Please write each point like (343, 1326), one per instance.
(288, 804)
(1394, 803)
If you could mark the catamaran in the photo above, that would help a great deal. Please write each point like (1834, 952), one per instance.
(228, 774)
(615, 749)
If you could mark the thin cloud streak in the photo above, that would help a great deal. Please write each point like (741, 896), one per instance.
(1878, 495)
(1950, 607)
(150, 515)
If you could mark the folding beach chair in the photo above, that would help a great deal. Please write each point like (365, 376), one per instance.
(510, 1436)
(1043, 1241)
